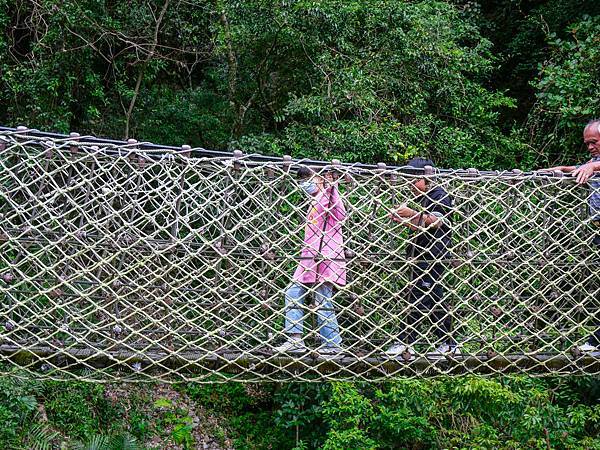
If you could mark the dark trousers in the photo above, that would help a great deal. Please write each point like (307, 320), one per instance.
(428, 311)
(594, 339)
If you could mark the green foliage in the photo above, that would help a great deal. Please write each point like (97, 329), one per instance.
(80, 409)
(367, 81)
(177, 421)
(298, 412)
(224, 397)
(519, 33)
(381, 80)
(38, 437)
(360, 80)
(567, 91)
(42, 415)
(440, 413)
(350, 415)
(463, 412)
(466, 412)
(18, 409)
(76, 65)
(108, 442)
(247, 411)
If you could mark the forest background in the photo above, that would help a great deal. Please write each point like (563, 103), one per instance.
(492, 84)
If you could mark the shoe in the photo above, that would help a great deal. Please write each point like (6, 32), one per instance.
(399, 349)
(329, 350)
(588, 348)
(292, 345)
(445, 350)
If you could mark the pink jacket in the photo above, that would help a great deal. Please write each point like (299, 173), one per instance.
(323, 230)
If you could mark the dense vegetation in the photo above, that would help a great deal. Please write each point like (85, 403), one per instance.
(466, 412)
(490, 84)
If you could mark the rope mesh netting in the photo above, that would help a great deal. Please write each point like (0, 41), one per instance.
(120, 262)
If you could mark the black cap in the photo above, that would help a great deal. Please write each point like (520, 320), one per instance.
(420, 163)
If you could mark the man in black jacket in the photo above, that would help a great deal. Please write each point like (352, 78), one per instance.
(430, 237)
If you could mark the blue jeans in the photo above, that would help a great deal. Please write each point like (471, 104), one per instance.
(326, 320)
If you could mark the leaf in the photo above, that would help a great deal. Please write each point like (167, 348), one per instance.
(96, 442)
(163, 403)
(39, 437)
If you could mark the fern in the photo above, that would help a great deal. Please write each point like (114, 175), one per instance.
(96, 442)
(124, 442)
(107, 442)
(38, 437)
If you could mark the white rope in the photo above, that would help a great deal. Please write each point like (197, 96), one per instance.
(124, 264)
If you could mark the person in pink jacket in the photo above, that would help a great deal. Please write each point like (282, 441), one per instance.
(321, 268)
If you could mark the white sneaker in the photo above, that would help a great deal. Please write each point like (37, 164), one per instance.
(588, 348)
(445, 350)
(400, 349)
(292, 345)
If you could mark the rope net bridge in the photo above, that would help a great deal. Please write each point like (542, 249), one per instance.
(125, 261)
